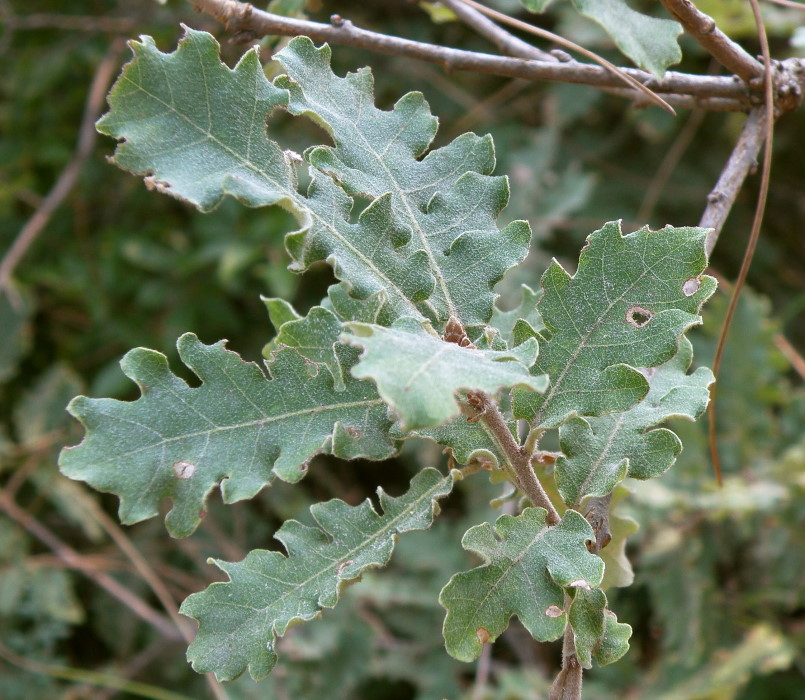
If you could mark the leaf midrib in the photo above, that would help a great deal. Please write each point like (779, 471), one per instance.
(299, 201)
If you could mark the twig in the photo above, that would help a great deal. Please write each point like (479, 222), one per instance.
(156, 584)
(598, 516)
(482, 673)
(791, 354)
(518, 457)
(505, 41)
(681, 89)
(567, 685)
(703, 29)
(742, 161)
(69, 176)
(648, 94)
(73, 559)
(754, 234)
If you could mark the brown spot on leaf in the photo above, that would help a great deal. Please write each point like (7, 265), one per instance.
(637, 316)
(483, 636)
(352, 432)
(343, 565)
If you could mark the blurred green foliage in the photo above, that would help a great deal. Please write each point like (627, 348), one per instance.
(717, 603)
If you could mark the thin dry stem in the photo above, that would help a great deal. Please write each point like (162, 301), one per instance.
(517, 457)
(505, 41)
(69, 176)
(74, 560)
(550, 36)
(754, 234)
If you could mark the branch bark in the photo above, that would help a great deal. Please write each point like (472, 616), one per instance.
(703, 29)
(517, 456)
(742, 161)
(505, 41)
(678, 89)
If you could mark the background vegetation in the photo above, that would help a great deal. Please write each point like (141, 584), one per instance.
(718, 604)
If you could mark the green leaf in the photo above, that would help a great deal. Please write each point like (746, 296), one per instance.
(586, 617)
(314, 337)
(445, 203)
(597, 634)
(238, 428)
(600, 452)
(528, 564)
(467, 441)
(631, 299)
(618, 571)
(418, 374)
(239, 620)
(615, 642)
(197, 128)
(525, 314)
(427, 239)
(650, 42)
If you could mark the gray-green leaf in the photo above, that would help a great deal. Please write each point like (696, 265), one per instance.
(238, 428)
(650, 42)
(631, 299)
(528, 564)
(599, 452)
(418, 374)
(240, 620)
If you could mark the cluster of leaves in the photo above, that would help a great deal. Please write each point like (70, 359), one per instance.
(153, 270)
(416, 266)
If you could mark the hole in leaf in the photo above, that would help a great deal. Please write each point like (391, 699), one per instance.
(637, 316)
(691, 286)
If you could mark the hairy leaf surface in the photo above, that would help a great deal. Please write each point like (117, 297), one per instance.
(428, 239)
(419, 374)
(239, 620)
(238, 428)
(599, 452)
(597, 634)
(446, 202)
(631, 299)
(528, 564)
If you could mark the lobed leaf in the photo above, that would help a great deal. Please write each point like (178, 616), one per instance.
(600, 452)
(446, 202)
(427, 239)
(631, 299)
(650, 42)
(238, 428)
(597, 634)
(239, 620)
(418, 374)
(528, 564)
